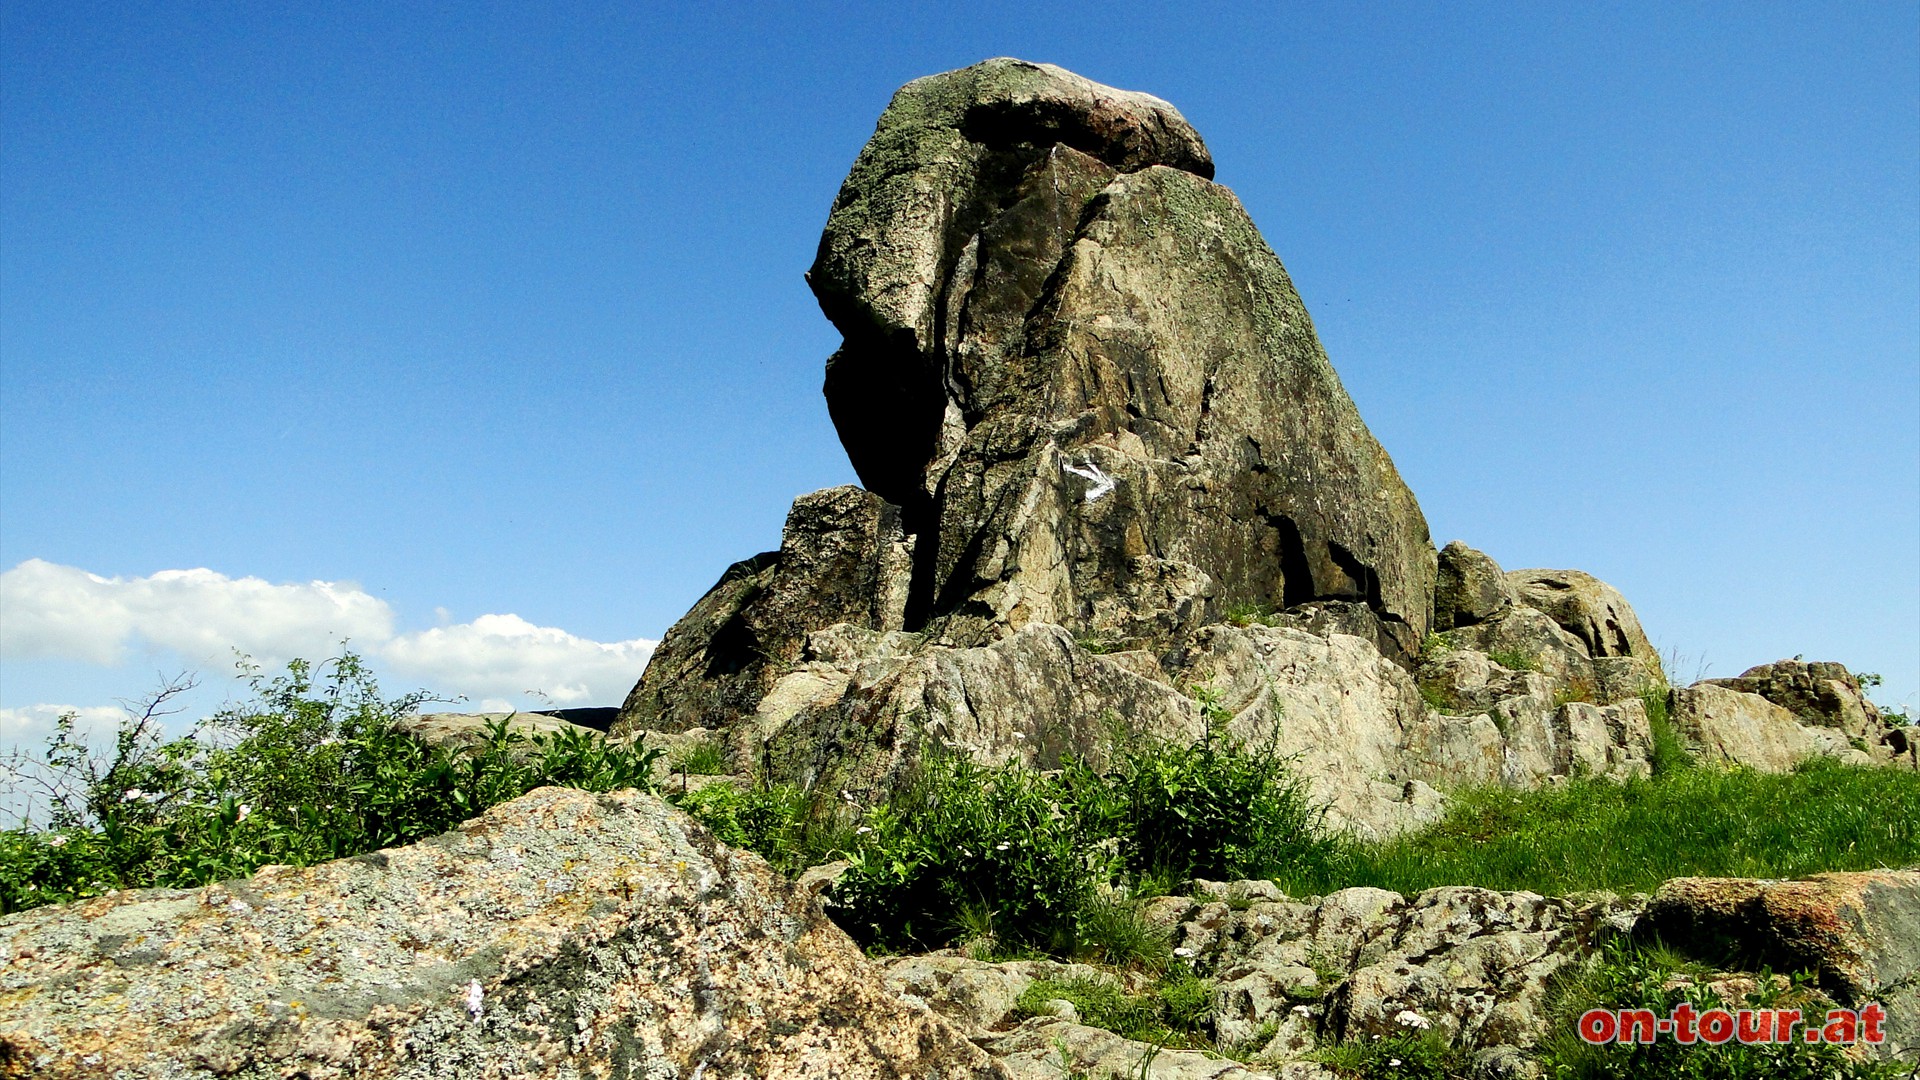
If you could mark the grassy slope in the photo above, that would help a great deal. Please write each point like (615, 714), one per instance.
(1591, 834)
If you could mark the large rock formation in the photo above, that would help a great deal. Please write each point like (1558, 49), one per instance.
(1105, 462)
(1087, 381)
(1081, 392)
(563, 934)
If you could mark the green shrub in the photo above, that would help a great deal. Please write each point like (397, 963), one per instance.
(312, 768)
(968, 837)
(1248, 612)
(1669, 752)
(1409, 1055)
(701, 759)
(1212, 808)
(1513, 659)
(1112, 930)
(769, 820)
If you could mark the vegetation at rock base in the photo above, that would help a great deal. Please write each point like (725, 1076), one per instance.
(312, 768)
(1173, 1012)
(701, 759)
(1034, 849)
(1408, 1055)
(1647, 976)
(1600, 834)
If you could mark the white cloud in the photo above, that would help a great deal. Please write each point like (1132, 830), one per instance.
(33, 723)
(48, 611)
(54, 612)
(507, 656)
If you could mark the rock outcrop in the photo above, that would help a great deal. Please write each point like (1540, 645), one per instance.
(1106, 462)
(562, 934)
(1080, 391)
(1489, 972)
(1859, 933)
(1777, 715)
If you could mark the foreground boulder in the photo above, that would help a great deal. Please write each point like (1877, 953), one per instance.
(560, 934)
(1858, 932)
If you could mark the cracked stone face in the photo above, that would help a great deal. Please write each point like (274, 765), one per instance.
(1080, 391)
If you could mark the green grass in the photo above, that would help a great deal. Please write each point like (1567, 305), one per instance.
(1175, 1011)
(1513, 659)
(1597, 834)
(1641, 976)
(700, 759)
(1669, 752)
(1405, 1056)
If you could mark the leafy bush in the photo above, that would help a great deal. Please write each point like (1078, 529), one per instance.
(1669, 753)
(312, 768)
(969, 837)
(1514, 659)
(769, 820)
(1212, 808)
(701, 759)
(1112, 930)
(1020, 854)
(1407, 1055)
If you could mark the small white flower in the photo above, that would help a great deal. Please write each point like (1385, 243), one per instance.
(1302, 1010)
(244, 811)
(1409, 1018)
(1019, 735)
(846, 795)
(1393, 1062)
(863, 829)
(474, 996)
(58, 841)
(1000, 847)
(1183, 952)
(135, 793)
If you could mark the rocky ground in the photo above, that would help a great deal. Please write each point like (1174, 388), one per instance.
(570, 934)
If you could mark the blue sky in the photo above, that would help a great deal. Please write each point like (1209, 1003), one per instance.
(489, 318)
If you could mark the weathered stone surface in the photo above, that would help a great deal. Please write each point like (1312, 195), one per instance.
(1526, 639)
(1471, 588)
(561, 934)
(1472, 963)
(1859, 932)
(1819, 693)
(976, 996)
(1732, 727)
(1089, 389)
(939, 161)
(1030, 698)
(1170, 356)
(462, 730)
(1359, 730)
(1589, 609)
(1346, 715)
(842, 558)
